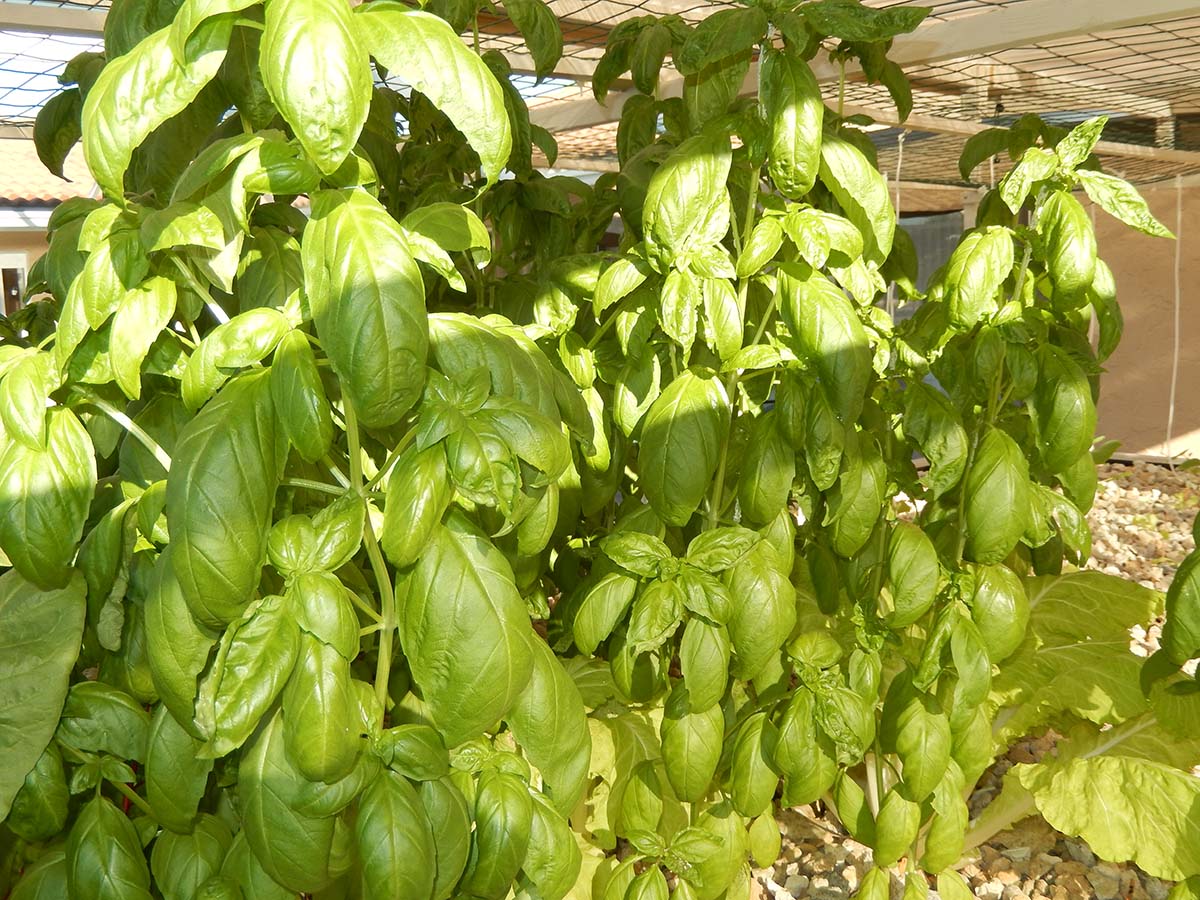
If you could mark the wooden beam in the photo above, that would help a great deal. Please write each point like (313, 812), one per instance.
(1031, 22)
(938, 125)
(51, 20)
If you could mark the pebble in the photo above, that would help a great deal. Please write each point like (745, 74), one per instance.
(796, 885)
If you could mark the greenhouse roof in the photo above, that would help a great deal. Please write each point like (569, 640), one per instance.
(973, 64)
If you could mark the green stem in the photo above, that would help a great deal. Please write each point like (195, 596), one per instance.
(365, 607)
(310, 485)
(133, 797)
(383, 666)
(194, 283)
(731, 380)
(133, 428)
(841, 86)
(601, 331)
(409, 437)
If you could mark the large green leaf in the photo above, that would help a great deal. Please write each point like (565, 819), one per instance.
(292, 849)
(220, 493)
(462, 632)
(827, 333)
(1075, 657)
(681, 438)
(368, 302)
(861, 192)
(315, 69)
(44, 499)
(141, 90)
(104, 855)
(42, 631)
(687, 204)
(423, 51)
(1125, 808)
(549, 723)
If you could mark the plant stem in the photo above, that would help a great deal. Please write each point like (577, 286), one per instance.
(133, 797)
(310, 485)
(387, 626)
(408, 438)
(133, 428)
(731, 380)
(194, 283)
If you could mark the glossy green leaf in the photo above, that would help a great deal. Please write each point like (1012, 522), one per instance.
(368, 303)
(687, 204)
(315, 69)
(220, 493)
(996, 498)
(681, 437)
(181, 863)
(395, 839)
(861, 192)
(44, 499)
(795, 111)
(254, 659)
(976, 273)
(548, 721)
(142, 314)
(828, 334)
(176, 775)
(462, 631)
(425, 52)
(138, 92)
(104, 855)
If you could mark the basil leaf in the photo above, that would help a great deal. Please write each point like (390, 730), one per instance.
(138, 92)
(426, 53)
(104, 855)
(466, 647)
(39, 809)
(549, 723)
(1121, 200)
(395, 839)
(976, 273)
(723, 33)
(861, 192)
(316, 71)
(141, 315)
(176, 775)
(681, 437)
(828, 334)
(43, 630)
(795, 111)
(299, 397)
(254, 659)
(290, 848)
(450, 822)
(220, 494)
(320, 721)
(368, 303)
(182, 863)
(177, 645)
(996, 501)
(45, 499)
(687, 204)
(541, 31)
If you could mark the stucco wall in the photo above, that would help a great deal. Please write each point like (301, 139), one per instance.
(31, 243)
(1135, 391)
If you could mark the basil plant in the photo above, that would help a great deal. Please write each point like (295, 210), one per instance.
(372, 532)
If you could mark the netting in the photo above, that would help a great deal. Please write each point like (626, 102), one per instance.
(29, 68)
(1145, 77)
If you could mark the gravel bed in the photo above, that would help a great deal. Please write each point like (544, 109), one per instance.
(1141, 529)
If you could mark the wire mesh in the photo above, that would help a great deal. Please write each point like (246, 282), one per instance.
(29, 68)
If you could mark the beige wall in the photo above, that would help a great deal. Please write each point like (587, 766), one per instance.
(1135, 390)
(31, 243)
